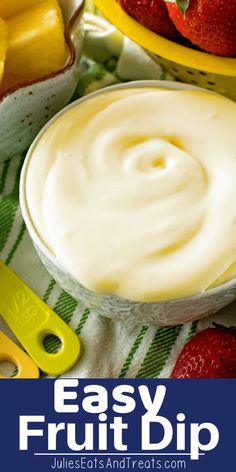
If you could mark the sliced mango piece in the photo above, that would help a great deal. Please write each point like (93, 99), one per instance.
(3, 46)
(36, 41)
(10, 8)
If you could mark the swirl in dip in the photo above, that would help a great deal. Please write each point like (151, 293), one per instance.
(134, 192)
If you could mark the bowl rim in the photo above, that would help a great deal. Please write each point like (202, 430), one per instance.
(72, 57)
(163, 47)
(37, 239)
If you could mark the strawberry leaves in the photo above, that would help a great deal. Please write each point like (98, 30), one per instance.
(181, 4)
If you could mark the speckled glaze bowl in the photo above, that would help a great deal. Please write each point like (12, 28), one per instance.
(162, 313)
(26, 107)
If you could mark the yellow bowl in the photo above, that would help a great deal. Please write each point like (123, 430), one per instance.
(186, 64)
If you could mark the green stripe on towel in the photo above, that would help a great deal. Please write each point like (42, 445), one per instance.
(133, 351)
(158, 352)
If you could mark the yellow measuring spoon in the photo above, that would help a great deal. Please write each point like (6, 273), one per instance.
(10, 352)
(31, 320)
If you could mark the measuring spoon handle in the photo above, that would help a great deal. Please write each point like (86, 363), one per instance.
(10, 352)
(31, 320)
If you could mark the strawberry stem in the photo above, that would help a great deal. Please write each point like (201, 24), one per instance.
(181, 4)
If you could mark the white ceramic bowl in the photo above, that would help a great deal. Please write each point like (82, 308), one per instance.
(160, 313)
(26, 107)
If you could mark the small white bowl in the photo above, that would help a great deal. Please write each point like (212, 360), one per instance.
(170, 312)
(27, 106)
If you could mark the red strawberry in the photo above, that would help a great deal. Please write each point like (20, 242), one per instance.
(209, 354)
(209, 24)
(152, 14)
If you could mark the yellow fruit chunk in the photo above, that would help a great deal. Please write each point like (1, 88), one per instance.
(10, 8)
(3, 46)
(9, 81)
(36, 41)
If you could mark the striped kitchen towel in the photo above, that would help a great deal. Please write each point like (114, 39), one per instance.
(110, 348)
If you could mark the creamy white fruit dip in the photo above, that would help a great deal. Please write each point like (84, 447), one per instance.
(134, 192)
